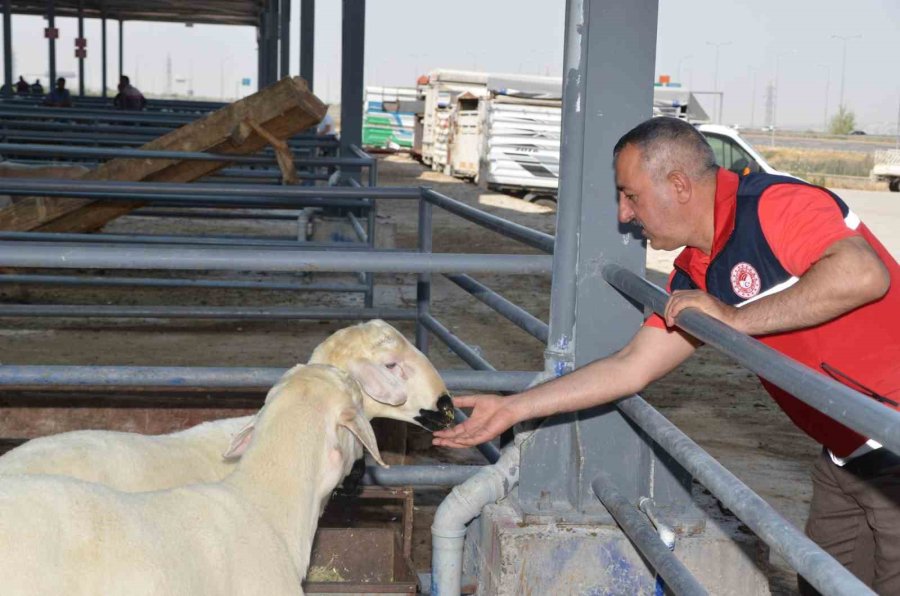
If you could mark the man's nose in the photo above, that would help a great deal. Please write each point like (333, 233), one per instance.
(626, 213)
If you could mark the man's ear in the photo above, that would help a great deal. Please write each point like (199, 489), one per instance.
(681, 182)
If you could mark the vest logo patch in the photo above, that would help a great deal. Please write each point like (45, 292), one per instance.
(745, 280)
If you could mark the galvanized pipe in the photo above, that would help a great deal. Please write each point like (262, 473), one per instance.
(523, 234)
(119, 152)
(170, 240)
(638, 529)
(7, 49)
(84, 256)
(813, 563)
(161, 378)
(150, 282)
(433, 475)
(78, 188)
(205, 312)
(514, 313)
(456, 345)
(835, 400)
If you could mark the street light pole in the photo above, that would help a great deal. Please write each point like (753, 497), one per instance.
(827, 85)
(680, 62)
(718, 45)
(844, 38)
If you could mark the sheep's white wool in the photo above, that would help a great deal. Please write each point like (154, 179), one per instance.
(249, 534)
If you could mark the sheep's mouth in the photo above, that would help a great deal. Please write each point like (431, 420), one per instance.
(438, 419)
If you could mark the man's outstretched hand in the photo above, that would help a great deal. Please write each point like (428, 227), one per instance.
(491, 415)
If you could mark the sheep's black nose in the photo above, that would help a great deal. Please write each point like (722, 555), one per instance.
(437, 419)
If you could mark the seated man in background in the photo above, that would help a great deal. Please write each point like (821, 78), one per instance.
(59, 97)
(129, 98)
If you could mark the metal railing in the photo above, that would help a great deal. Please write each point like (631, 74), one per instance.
(844, 405)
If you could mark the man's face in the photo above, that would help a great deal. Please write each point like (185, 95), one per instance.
(645, 202)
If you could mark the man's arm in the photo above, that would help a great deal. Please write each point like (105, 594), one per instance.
(848, 275)
(648, 356)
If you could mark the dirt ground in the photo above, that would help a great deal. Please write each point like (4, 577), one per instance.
(714, 401)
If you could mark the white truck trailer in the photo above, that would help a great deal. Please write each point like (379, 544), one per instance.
(887, 168)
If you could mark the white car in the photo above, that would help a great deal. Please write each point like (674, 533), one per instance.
(734, 153)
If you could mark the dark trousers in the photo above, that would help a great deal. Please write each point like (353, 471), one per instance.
(855, 517)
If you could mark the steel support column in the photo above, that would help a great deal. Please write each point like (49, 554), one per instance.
(602, 99)
(353, 35)
(7, 48)
(285, 16)
(272, 49)
(81, 59)
(121, 50)
(103, 54)
(51, 43)
(261, 52)
(307, 40)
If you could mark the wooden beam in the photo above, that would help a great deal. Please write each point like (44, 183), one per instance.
(280, 111)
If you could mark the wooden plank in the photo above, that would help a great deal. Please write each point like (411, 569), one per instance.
(281, 110)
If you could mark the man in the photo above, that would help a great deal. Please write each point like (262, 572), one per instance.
(774, 258)
(37, 88)
(59, 97)
(129, 97)
(22, 86)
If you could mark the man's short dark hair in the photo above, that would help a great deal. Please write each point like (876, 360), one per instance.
(125, 79)
(669, 143)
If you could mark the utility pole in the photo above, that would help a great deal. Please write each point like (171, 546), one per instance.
(680, 62)
(844, 38)
(717, 45)
(827, 85)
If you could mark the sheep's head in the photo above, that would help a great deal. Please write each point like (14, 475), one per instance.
(398, 380)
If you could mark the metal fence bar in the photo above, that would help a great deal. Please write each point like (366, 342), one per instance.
(456, 345)
(227, 377)
(204, 312)
(431, 475)
(514, 313)
(813, 563)
(85, 256)
(523, 234)
(119, 152)
(641, 533)
(150, 282)
(209, 214)
(170, 240)
(835, 400)
(90, 188)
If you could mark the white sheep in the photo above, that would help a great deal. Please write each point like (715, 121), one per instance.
(398, 382)
(249, 534)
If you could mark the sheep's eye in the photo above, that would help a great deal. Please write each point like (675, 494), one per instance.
(390, 365)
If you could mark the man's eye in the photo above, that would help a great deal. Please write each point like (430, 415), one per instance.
(632, 198)
(390, 365)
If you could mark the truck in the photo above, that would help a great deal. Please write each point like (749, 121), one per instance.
(887, 168)
(503, 131)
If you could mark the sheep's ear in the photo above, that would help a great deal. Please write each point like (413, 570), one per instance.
(240, 441)
(353, 420)
(378, 382)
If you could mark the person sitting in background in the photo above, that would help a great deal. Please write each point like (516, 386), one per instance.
(22, 86)
(59, 97)
(129, 98)
(37, 88)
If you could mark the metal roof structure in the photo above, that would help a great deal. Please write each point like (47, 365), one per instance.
(215, 12)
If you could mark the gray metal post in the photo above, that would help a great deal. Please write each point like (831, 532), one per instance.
(603, 98)
(307, 40)
(51, 43)
(423, 285)
(273, 30)
(261, 52)
(285, 39)
(7, 48)
(121, 51)
(103, 53)
(80, 59)
(352, 60)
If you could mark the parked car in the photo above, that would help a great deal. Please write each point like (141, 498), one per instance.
(733, 152)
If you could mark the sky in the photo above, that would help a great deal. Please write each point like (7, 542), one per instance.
(405, 38)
